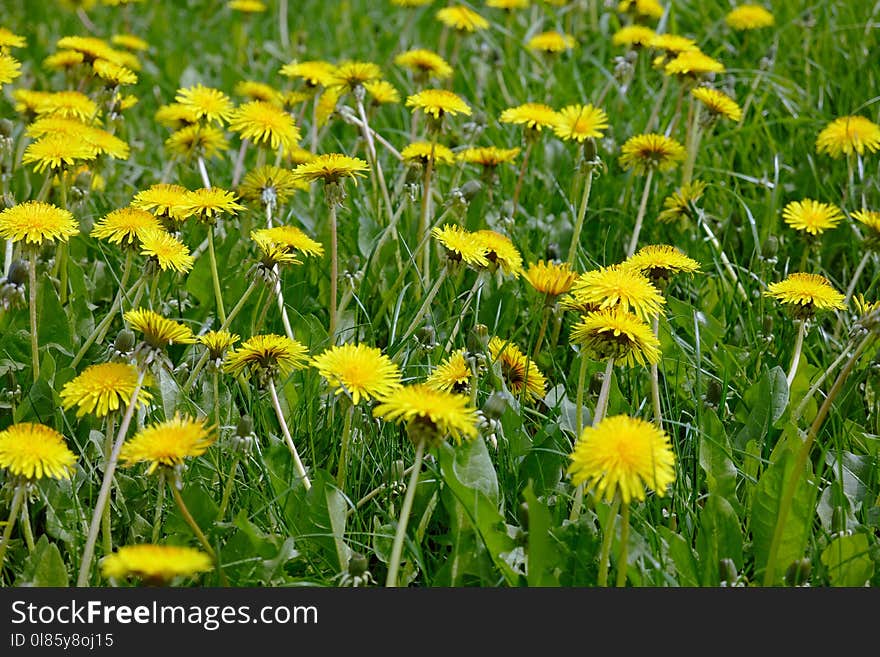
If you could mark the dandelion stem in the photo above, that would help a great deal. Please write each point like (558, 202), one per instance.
(26, 529)
(522, 174)
(640, 217)
(692, 139)
(542, 331)
(655, 379)
(160, 503)
(17, 501)
(801, 460)
(426, 304)
(701, 219)
(478, 284)
(239, 162)
(579, 397)
(106, 526)
(374, 493)
(218, 294)
(624, 540)
(604, 393)
(334, 272)
(300, 468)
(227, 489)
(104, 494)
(582, 212)
(342, 467)
(203, 172)
(187, 516)
(405, 509)
(605, 550)
(856, 275)
(32, 307)
(424, 217)
(798, 348)
(813, 388)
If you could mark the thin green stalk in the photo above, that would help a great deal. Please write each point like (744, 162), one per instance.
(197, 531)
(15, 508)
(160, 503)
(579, 397)
(801, 461)
(405, 509)
(32, 308)
(334, 271)
(218, 294)
(104, 494)
(371, 152)
(467, 302)
(607, 538)
(26, 529)
(227, 489)
(624, 540)
(542, 331)
(342, 467)
(604, 393)
(300, 468)
(426, 305)
(106, 522)
(579, 223)
(798, 348)
(522, 174)
(424, 218)
(655, 379)
(692, 141)
(643, 205)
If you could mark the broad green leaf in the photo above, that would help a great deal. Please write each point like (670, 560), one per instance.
(44, 567)
(682, 556)
(319, 522)
(543, 555)
(719, 537)
(765, 402)
(53, 325)
(848, 560)
(715, 459)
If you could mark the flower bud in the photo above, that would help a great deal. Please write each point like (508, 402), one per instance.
(495, 406)
(727, 570)
(245, 426)
(798, 572)
(357, 564)
(124, 341)
(18, 272)
(478, 339)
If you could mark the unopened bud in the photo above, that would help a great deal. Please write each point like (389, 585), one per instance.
(798, 572)
(552, 252)
(18, 272)
(6, 128)
(470, 189)
(838, 520)
(770, 247)
(357, 564)
(495, 406)
(524, 515)
(727, 570)
(478, 339)
(245, 426)
(124, 341)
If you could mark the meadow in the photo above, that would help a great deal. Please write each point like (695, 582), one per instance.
(407, 293)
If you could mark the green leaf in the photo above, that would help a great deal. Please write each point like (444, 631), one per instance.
(848, 560)
(682, 556)
(543, 556)
(766, 402)
(715, 459)
(320, 521)
(719, 537)
(476, 503)
(765, 511)
(44, 567)
(53, 326)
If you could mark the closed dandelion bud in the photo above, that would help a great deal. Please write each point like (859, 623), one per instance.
(478, 339)
(713, 392)
(590, 152)
(470, 189)
(245, 426)
(523, 514)
(838, 520)
(427, 337)
(18, 273)
(767, 325)
(357, 564)
(770, 247)
(395, 472)
(83, 180)
(727, 570)
(8, 201)
(552, 252)
(596, 383)
(798, 572)
(6, 128)
(495, 406)
(124, 341)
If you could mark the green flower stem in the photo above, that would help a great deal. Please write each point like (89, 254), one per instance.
(334, 272)
(106, 526)
(818, 383)
(701, 219)
(15, 508)
(478, 284)
(26, 529)
(542, 331)
(801, 460)
(692, 139)
(640, 217)
(655, 379)
(522, 174)
(32, 307)
(579, 397)
(798, 348)
(218, 294)
(160, 503)
(655, 112)
(342, 467)
(624, 541)
(61, 256)
(405, 509)
(424, 218)
(604, 393)
(371, 153)
(232, 315)
(582, 213)
(101, 329)
(227, 489)
(187, 516)
(607, 538)
(856, 275)
(238, 170)
(300, 468)
(104, 494)
(426, 305)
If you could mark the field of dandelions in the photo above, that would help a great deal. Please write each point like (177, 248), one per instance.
(416, 293)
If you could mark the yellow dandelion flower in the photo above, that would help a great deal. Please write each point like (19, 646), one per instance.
(158, 331)
(253, 90)
(461, 18)
(748, 17)
(500, 252)
(103, 388)
(69, 104)
(661, 261)
(682, 203)
(870, 219)
(314, 73)
(263, 122)
(804, 294)
(167, 443)
(623, 455)
(272, 255)
(651, 151)
(124, 226)
(164, 200)
(267, 356)
(103, 142)
(672, 44)
(618, 334)
(488, 157)
(61, 60)
(634, 36)
(580, 122)
(292, 239)
(35, 222)
(361, 371)
(618, 285)
(207, 204)
(34, 451)
(168, 251)
(534, 116)
(452, 375)
(411, 3)
(813, 217)
(550, 278)
(351, 74)
(438, 103)
(420, 152)
(425, 63)
(208, 103)
(91, 47)
(461, 245)
(641, 8)
(521, 375)
(864, 307)
(269, 184)
(9, 39)
(551, 42)
(508, 5)
(331, 168)
(718, 103)
(431, 415)
(293, 97)
(382, 92)
(218, 343)
(247, 6)
(847, 135)
(197, 140)
(130, 41)
(56, 151)
(176, 116)
(327, 103)
(155, 564)
(114, 74)
(693, 63)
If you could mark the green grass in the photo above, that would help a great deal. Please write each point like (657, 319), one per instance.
(482, 516)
